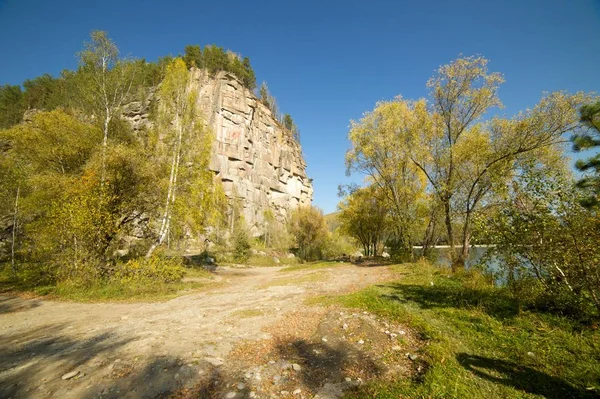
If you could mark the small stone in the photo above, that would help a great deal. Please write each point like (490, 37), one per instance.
(392, 335)
(70, 375)
(248, 375)
(431, 283)
(231, 395)
(402, 332)
(241, 385)
(296, 367)
(360, 342)
(284, 392)
(286, 365)
(348, 379)
(215, 361)
(252, 394)
(387, 332)
(412, 356)
(396, 348)
(324, 339)
(276, 378)
(345, 326)
(271, 361)
(530, 354)
(124, 317)
(297, 391)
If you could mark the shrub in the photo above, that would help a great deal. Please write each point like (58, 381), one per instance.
(241, 244)
(157, 268)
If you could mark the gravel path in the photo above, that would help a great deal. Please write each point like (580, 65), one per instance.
(134, 350)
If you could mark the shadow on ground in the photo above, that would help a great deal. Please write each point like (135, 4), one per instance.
(328, 363)
(444, 296)
(39, 357)
(16, 304)
(32, 364)
(521, 377)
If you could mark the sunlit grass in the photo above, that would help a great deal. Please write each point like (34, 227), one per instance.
(477, 342)
(195, 279)
(313, 266)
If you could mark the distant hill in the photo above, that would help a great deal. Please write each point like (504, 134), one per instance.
(332, 221)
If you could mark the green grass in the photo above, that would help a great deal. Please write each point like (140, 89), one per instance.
(247, 313)
(477, 342)
(305, 278)
(115, 291)
(268, 260)
(312, 266)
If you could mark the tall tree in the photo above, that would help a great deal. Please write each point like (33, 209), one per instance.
(249, 77)
(105, 81)
(11, 106)
(381, 149)
(191, 197)
(590, 117)
(463, 159)
(364, 216)
(193, 56)
(307, 226)
(467, 159)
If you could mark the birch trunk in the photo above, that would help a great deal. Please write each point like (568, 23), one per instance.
(166, 219)
(14, 233)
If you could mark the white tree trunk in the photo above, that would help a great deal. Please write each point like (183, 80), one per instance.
(166, 219)
(14, 233)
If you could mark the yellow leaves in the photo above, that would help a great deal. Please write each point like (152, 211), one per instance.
(53, 140)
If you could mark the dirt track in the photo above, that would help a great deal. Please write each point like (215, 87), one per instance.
(152, 349)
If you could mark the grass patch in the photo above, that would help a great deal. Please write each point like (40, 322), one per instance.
(312, 266)
(142, 290)
(247, 313)
(306, 278)
(479, 344)
(267, 260)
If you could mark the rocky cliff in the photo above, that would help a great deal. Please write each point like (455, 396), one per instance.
(258, 162)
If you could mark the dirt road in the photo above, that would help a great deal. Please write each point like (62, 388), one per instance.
(155, 349)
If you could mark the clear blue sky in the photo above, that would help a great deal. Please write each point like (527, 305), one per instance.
(326, 62)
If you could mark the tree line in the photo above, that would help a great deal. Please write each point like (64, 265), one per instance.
(86, 198)
(440, 170)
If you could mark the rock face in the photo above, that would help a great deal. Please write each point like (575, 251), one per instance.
(258, 162)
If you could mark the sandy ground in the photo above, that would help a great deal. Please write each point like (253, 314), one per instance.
(138, 350)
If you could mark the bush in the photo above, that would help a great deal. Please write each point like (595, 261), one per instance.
(160, 269)
(241, 244)
(307, 225)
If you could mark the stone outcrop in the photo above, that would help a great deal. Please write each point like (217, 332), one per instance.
(258, 162)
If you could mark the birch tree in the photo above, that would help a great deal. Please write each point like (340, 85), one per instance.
(192, 198)
(105, 82)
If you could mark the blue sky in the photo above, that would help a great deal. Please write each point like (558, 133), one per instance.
(326, 62)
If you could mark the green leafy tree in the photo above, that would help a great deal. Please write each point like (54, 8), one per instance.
(104, 81)
(546, 240)
(590, 117)
(465, 162)
(193, 56)
(215, 59)
(249, 77)
(307, 226)
(49, 155)
(379, 150)
(11, 106)
(44, 93)
(364, 217)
